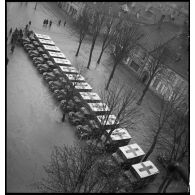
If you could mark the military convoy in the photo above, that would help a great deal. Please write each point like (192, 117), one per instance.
(87, 113)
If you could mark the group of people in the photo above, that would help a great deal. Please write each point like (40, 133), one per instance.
(18, 34)
(15, 37)
(49, 22)
(46, 22)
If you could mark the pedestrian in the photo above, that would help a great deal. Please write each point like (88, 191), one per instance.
(12, 39)
(15, 31)
(35, 6)
(64, 22)
(25, 30)
(16, 37)
(12, 48)
(21, 34)
(26, 27)
(59, 22)
(50, 23)
(29, 23)
(28, 33)
(10, 31)
(63, 117)
(46, 22)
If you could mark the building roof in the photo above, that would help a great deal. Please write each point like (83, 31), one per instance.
(176, 50)
(153, 35)
(176, 56)
(142, 171)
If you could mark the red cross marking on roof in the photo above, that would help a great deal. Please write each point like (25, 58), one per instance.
(145, 168)
(133, 150)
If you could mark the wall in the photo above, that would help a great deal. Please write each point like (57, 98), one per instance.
(163, 84)
(74, 9)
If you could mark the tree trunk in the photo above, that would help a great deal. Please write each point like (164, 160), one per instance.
(111, 75)
(163, 183)
(78, 48)
(144, 91)
(152, 146)
(91, 51)
(172, 152)
(167, 185)
(63, 117)
(100, 56)
(108, 136)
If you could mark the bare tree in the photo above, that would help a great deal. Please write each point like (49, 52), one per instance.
(125, 39)
(153, 69)
(176, 143)
(178, 136)
(161, 120)
(83, 23)
(75, 169)
(107, 36)
(174, 170)
(179, 152)
(98, 19)
(160, 22)
(121, 102)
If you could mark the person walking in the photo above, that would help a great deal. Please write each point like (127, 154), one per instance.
(64, 23)
(35, 6)
(44, 22)
(12, 48)
(26, 30)
(29, 23)
(63, 117)
(50, 23)
(10, 31)
(59, 22)
(26, 27)
(12, 39)
(16, 36)
(21, 34)
(15, 31)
